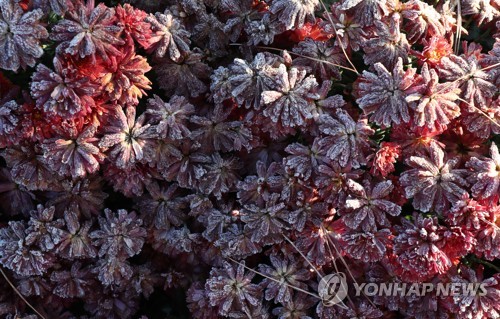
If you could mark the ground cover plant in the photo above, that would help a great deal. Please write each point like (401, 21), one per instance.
(219, 158)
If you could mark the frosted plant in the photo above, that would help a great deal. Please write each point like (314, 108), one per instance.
(124, 80)
(433, 181)
(475, 84)
(367, 205)
(366, 12)
(73, 283)
(20, 36)
(87, 30)
(419, 247)
(346, 141)
(43, 229)
(216, 132)
(304, 160)
(422, 21)
(186, 77)
(247, 79)
(388, 44)
(81, 196)
(321, 56)
(293, 14)
(74, 154)
(266, 222)
(262, 31)
(209, 34)
(220, 176)
(486, 175)
(9, 121)
(230, 288)
(170, 38)
(62, 92)
(289, 97)
(286, 275)
(169, 119)
(483, 10)
(75, 241)
(383, 93)
(434, 103)
(241, 13)
(367, 245)
(126, 138)
(17, 255)
(162, 206)
(120, 234)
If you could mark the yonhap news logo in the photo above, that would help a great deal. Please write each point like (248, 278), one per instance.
(333, 289)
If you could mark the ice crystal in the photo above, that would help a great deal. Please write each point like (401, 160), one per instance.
(433, 181)
(74, 154)
(434, 103)
(120, 233)
(289, 97)
(293, 13)
(170, 38)
(485, 175)
(20, 36)
(346, 141)
(383, 94)
(170, 118)
(367, 207)
(126, 138)
(87, 30)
